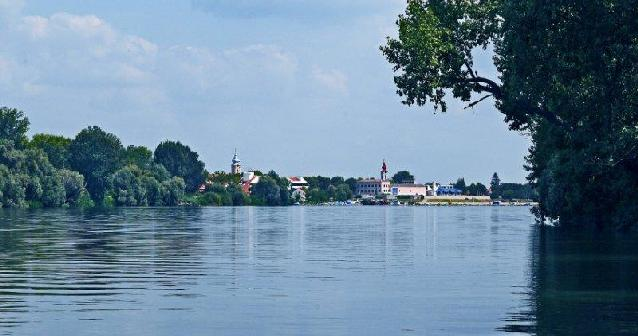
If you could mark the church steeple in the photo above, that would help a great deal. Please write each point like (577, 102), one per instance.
(384, 171)
(235, 167)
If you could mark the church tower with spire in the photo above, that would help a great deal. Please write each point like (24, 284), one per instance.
(384, 171)
(235, 167)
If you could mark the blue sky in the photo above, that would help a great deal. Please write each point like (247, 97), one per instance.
(296, 86)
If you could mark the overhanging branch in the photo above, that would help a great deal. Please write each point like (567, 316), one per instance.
(482, 84)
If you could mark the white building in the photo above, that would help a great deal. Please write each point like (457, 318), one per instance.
(374, 187)
(411, 190)
(248, 180)
(297, 183)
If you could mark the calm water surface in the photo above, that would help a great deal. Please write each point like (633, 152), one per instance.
(309, 271)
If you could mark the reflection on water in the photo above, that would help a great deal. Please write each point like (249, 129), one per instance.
(311, 271)
(582, 283)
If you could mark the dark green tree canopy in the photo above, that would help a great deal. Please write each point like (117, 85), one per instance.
(13, 126)
(96, 154)
(27, 179)
(495, 182)
(403, 176)
(181, 161)
(267, 191)
(56, 148)
(138, 155)
(460, 185)
(477, 189)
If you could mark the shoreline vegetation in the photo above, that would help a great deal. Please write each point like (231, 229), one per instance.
(94, 169)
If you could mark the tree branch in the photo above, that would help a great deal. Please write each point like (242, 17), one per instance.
(469, 68)
(483, 84)
(474, 103)
(491, 87)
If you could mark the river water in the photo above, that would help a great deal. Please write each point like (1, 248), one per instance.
(310, 271)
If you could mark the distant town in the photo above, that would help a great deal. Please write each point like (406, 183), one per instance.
(400, 189)
(94, 169)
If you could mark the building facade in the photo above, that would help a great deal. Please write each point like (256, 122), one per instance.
(372, 187)
(411, 190)
(448, 190)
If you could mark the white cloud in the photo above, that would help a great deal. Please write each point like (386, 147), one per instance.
(261, 72)
(83, 52)
(332, 79)
(72, 51)
(10, 9)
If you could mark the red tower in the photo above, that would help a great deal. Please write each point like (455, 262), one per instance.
(384, 171)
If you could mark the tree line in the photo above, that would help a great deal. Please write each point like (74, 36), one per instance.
(91, 169)
(95, 169)
(224, 189)
(497, 189)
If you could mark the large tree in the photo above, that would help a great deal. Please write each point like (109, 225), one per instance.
(181, 161)
(403, 176)
(96, 154)
(13, 126)
(267, 192)
(460, 185)
(495, 185)
(568, 76)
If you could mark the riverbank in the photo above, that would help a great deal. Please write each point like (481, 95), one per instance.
(432, 203)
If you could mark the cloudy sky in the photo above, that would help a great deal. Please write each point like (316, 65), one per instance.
(298, 86)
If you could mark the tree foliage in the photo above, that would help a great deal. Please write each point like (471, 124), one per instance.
(139, 156)
(27, 179)
(135, 186)
(268, 191)
(477, 189)
(224, 178)
(56, 148)
(403, 176)
(495, 182)
(568, 76)
(325, 189)
(460, 185)
(13, 126)
(38, 173)
(96, 154)
(181, 161)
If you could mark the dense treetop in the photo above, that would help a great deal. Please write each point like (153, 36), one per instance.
(181, 161)
(13, 126)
